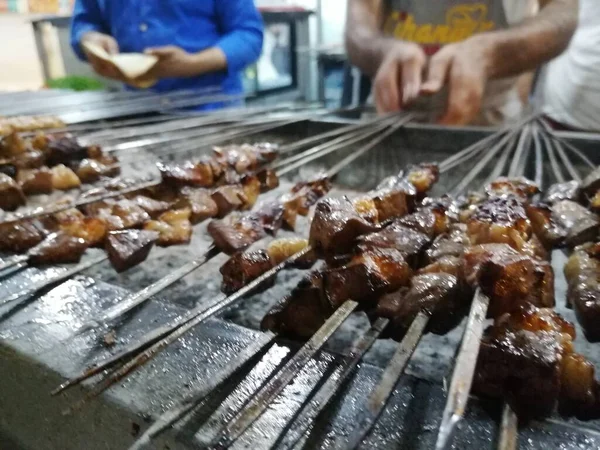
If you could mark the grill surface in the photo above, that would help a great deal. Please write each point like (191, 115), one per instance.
(32, 366)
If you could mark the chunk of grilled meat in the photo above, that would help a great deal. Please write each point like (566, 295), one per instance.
(268, 180)
(57, 248)
(64, 150)
(91, 170)
(35, 181)
(122, 214)
(64, 178)
(545, 226)
(174, 227)
(522, 188)
(245, 157)
(153, 208)
(12, 144)
(20, 236)
(7, 167)
(582, 272)
(510, 279)
(501, 220)
(581, 224)
(280, 250)
(410, 243)
(129, 248)
(91, 229)
(528, 359)
(203, 173)
(200, 203)
(302, 196)
(244, 267)
(303, 312)
(423, 176)
(335, 226)
(30, 123)
(31, 159)
(591, 184)
(228, 198)
(568, 190)
(451, 243)
(436, 294)
(11, 195)
(236, 232)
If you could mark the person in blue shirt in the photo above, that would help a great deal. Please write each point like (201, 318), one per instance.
(199, 43)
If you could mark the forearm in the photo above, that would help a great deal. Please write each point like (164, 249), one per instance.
(533, 42)
(209, 60)
(365, 43)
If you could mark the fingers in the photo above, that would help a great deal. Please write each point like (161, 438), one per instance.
(465, 96)
(386, 90)
(161, 51)
(412, 73)
(437, 73)
(110, 45)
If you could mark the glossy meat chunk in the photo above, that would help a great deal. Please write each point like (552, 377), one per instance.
(244, 267)
(251, 188)
(236, 232)
(336, 225)
(452, 243)
(91, 170)
(11, 195)
(423, 176)
(302, 313)
(436, 294)
(189, 173)
(568, 190)
(174, 227)
(268, 180)
(153, 208)
(64, 150)
(582, 272)
(508, 278)
(58, 248)
(581, 225)
(521, 188)
(20, 236)
(501, 220)
(123, 214)
(228, 198)
(200, 203)
(91, 229)
(129, 248)
(35, 181)
(366, 277)
(64, 178)
(545, 226)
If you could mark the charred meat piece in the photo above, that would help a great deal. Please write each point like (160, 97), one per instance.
(562, 191)
(581, 224)
(64, 178)
(199, 201)
(11, 195)
(268, 180)
(7, 167)
(303, 312)
(501, 220)
(251, 188)
(228, 198)
(410, 243)
(582, 272)
(245, 157)
(20, 236)
(58, 248)
(423, 177)
(436, 294)
(302, 196)
(35, 181)
(508, 278)
(31, 159)
(271, 215)
(154, 208)
(91, 229)
(591, 184)
(446, 264)
(452, 243)
(244, 267)
(64, 151)
(189, 173)
(544, 225)
(174, 227)
(368, 275)
(236, 232)
(123, 214)
(336, 225)
(129, 248)
(521, 188)
(12, 144)
(91, 170)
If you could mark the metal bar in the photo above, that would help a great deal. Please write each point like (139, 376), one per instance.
(558, 148)
(567, 144)
(183, 408)
(340, 374)
(501, 164)
(517, 161)
(260, 402)
(389, 379)
(58, 278)
(552, 157)
(171, 332)
(508, 429)
(539, 158)
(464, 369)
(13, 261)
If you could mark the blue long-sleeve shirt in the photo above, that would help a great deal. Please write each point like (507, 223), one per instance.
(234, 26)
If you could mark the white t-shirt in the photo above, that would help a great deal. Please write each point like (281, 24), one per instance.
(571, 93)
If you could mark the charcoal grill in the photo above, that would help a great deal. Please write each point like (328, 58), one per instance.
(32, 366)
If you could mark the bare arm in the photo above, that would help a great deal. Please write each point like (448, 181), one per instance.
(365, 42)
(533, 42)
